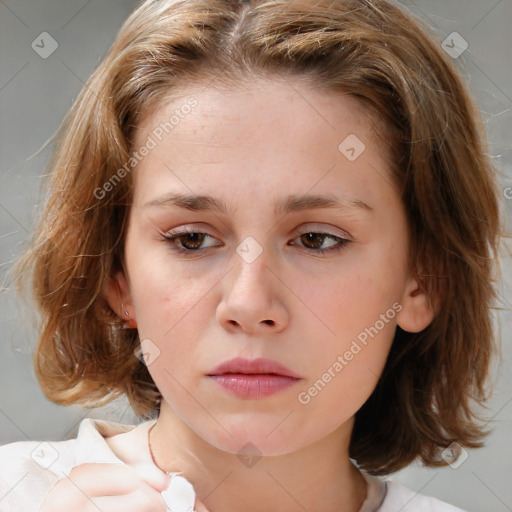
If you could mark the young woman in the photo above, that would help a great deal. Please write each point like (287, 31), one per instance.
(272, 225)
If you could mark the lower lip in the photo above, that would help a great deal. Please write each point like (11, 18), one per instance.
(254, 386)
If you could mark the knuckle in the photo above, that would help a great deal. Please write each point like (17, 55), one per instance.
(146, 499)
(82, 470)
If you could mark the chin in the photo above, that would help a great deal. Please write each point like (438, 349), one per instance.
(253, 435)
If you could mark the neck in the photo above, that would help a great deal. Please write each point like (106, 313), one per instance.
(316, 476)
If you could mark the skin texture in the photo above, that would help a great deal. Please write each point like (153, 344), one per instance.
(250, 146)
(91, 487)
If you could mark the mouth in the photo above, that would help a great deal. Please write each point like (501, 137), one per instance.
(253, 379)
(259, 366)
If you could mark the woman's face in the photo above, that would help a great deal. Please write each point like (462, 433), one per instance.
(300, 257)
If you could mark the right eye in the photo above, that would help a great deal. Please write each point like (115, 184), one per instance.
(186, 241)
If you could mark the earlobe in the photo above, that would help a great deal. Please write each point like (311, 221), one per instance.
(117, 293)
(417, 312)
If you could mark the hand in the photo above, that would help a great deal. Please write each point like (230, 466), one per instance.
(199, 506)
(109, 487)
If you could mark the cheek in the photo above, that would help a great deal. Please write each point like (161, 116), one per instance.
(343, 305)
(353, 318)
(347, 362)
(161, 297)
(169, 311)
(161, 291)
(170, 314)
(174, 309)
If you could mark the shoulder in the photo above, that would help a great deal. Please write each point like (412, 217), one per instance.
(399, 497)
(24, 458)
(28, 469)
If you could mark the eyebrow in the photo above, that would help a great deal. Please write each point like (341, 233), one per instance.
(292, 203)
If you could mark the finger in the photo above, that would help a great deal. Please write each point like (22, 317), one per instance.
(152, 476)
(199, 506)
(98, 479)
(143, 500)
(106, 487)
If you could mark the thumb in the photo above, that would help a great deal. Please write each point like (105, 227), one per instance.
(153, 476)
(199, 506)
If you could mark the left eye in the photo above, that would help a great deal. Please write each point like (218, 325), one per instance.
(191, 241)
(317, 240)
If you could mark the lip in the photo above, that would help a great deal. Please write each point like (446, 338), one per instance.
(256, 378)
(253, 366)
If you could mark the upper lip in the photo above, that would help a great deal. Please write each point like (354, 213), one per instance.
(252, 366)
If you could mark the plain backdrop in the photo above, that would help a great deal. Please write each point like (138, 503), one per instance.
(36, 92)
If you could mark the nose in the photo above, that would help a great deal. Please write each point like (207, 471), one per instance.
(253, 298)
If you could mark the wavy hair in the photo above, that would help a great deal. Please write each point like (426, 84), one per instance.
(369, 49)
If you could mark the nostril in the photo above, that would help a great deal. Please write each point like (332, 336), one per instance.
(268, 322)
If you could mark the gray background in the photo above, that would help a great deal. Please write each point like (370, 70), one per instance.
(35, 94)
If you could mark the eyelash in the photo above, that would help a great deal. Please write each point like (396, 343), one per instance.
(172, 238)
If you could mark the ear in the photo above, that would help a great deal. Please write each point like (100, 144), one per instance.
(417, 312)
(117, 293)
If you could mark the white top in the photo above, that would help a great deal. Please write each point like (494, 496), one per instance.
(28, 469)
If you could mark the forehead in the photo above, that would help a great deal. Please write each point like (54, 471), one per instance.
(249, 137)
(263, 100)
(254, 106)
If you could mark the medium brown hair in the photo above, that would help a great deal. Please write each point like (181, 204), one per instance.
(436, 147)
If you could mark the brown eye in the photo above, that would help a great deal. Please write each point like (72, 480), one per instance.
(191, 241)
(187, 241)
(313, 241)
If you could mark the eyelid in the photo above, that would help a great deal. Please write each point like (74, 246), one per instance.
(320, 228)
(171, 236)
(188, 228)
(305, 228)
